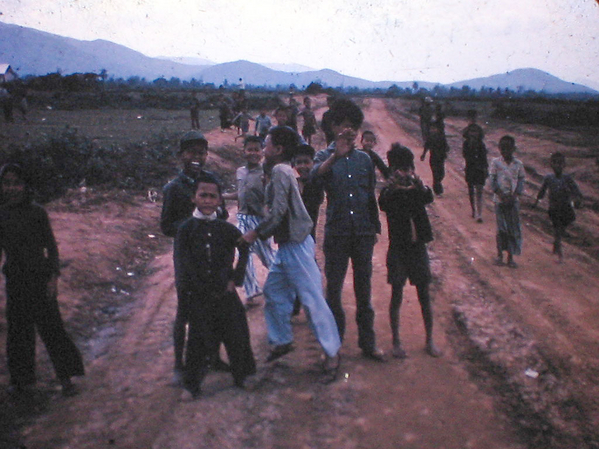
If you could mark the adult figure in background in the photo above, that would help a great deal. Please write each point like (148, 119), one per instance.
(352, 220)
(426, 117)
(325, 123)
(194, 111)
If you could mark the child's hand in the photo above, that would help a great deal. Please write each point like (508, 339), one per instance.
(248, 238)
(344, 142)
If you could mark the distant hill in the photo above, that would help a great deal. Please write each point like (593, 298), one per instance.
(288, 67)
(526, 79)
(33, 52)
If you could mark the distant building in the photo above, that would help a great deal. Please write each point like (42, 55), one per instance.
(7, 73)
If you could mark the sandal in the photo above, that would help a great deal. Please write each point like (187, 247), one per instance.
(331, 369)
(279, 351)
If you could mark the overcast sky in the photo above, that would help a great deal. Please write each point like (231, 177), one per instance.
(397, 40)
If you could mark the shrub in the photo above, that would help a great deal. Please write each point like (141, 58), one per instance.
(66, 160)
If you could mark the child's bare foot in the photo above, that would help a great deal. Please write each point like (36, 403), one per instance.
(433, 351)
(398, 352)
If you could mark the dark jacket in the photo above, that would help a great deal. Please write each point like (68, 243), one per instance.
(204, 255)
(27, 240)
(405, 211)
(177, 205)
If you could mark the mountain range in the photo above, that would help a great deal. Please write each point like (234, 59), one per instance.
(34, 52)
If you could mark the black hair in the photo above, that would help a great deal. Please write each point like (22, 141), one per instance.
(400, 157)
(206, 178)
(17, 170)
(287, 138)
(557, 156)
(508, 140)
(344, 109)
(252, 139)
(305, 150)
(368, 133)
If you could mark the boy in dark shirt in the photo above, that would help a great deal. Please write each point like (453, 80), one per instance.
(312, 192)
(403, 200)
(178, 207)
(563, 191)
(436, 143)
(204, 256)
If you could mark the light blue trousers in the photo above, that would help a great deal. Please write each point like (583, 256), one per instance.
(262, 248)
(294, 273)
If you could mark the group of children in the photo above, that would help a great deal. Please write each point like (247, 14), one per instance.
(279, 199)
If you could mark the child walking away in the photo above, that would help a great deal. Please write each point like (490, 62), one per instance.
(294, 272)
(507, 182)
(250, 210)
(31, 270)
(436, 143)
(563, 191)
(204, 255)
(404, 200)
(477, 168)
(368, 143)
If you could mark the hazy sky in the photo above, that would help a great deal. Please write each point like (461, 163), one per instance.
(398, 40)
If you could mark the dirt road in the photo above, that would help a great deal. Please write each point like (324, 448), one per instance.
(493, 324)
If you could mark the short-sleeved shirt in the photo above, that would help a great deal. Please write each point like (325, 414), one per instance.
(506, 177)
(250, 190)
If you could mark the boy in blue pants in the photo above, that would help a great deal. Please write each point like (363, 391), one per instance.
(294, 272)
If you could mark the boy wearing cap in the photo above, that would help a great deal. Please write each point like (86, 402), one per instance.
(404, 200)
(177, 207)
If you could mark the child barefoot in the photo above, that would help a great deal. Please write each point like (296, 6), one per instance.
(562, 192)
(403, 200)
(477, 168)
(507, 182)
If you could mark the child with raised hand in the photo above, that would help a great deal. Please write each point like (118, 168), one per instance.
(32, 269)
(477, 167)
(204, 255)
(368, 143)
(563, 191)
(404, 200)
(507, 183)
